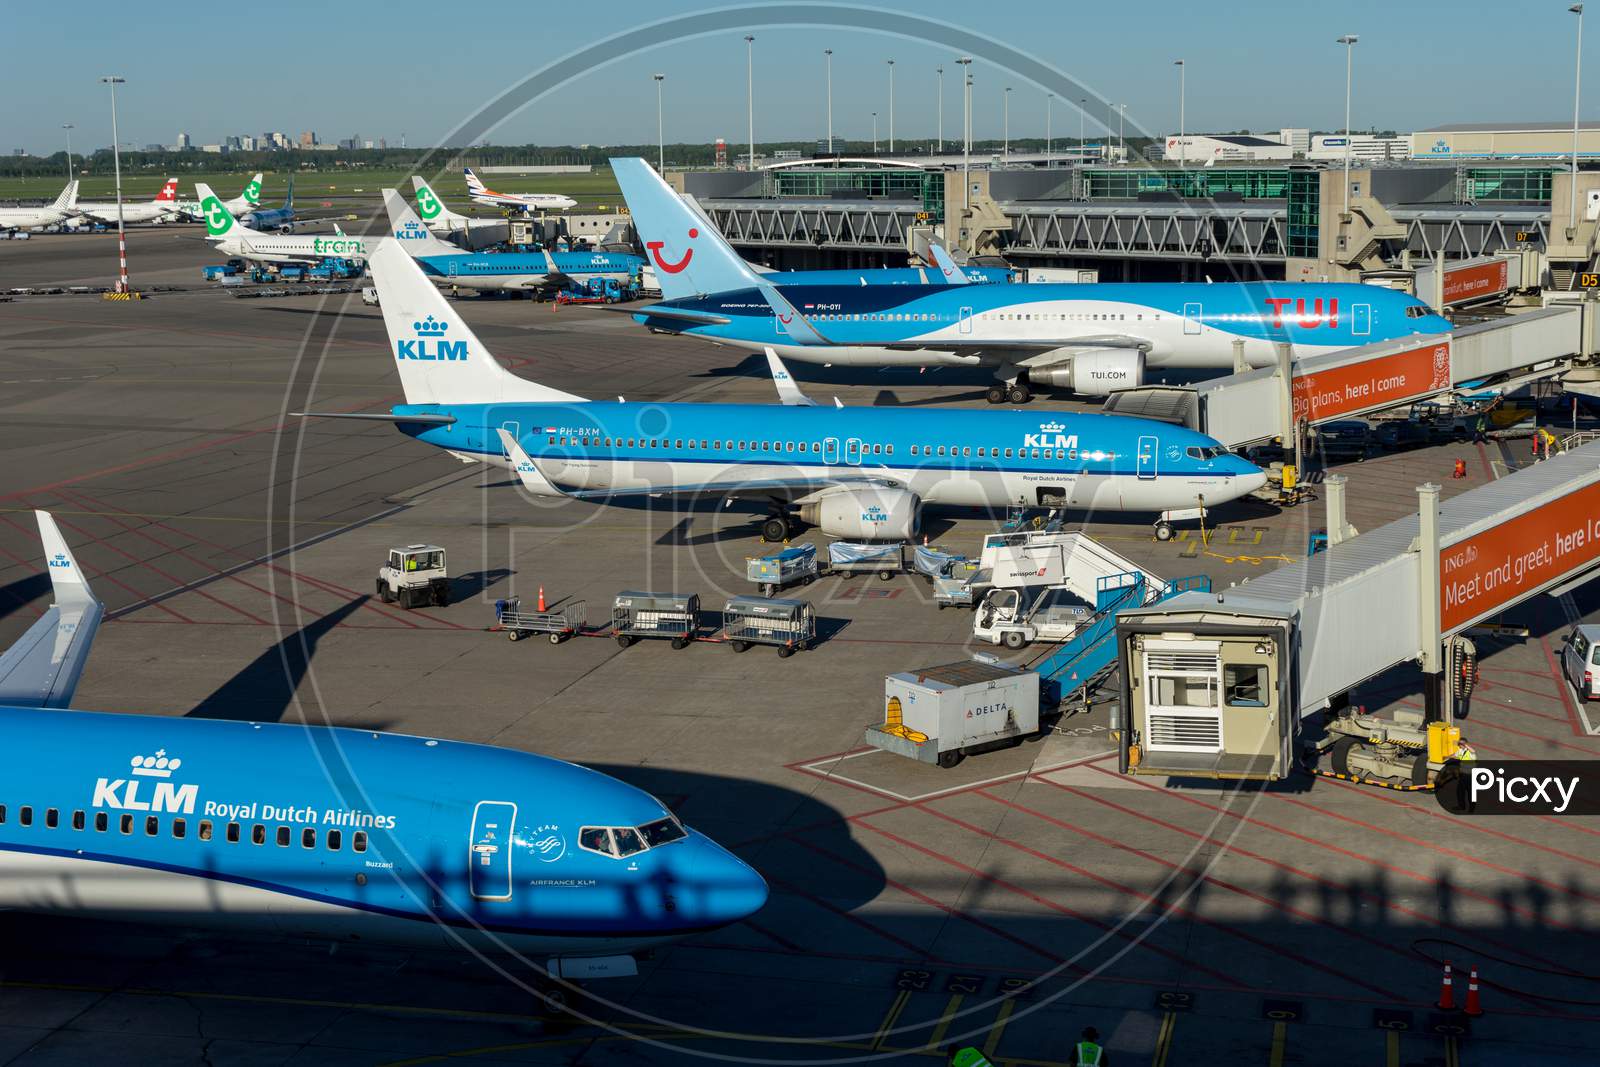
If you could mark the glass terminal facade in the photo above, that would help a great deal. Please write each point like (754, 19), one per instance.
(897, 183)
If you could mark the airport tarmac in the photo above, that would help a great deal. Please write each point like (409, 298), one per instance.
(235, 548)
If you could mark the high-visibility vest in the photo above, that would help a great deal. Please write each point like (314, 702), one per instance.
(970, 1057)
(1089, 1054)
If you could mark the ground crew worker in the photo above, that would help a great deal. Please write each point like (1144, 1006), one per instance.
(1089, 1052)
(967, 1057)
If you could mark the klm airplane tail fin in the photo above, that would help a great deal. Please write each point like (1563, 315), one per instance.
(219, 220)
(441, 360)
(429, 206)
(948, 268)
(252, 191)
(42, 669)
(690, 257)
(409, 231)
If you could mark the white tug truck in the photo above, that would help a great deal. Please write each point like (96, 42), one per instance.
(414, 577)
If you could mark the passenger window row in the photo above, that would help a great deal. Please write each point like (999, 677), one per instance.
(332, 840)
(708, 445)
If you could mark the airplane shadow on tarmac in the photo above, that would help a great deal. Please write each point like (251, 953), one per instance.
(17, 595)
(264, 690)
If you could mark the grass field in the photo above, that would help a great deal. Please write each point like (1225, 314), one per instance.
(592, 191)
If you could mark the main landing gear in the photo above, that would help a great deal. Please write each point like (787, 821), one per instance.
(1015, 391)
(779, 526)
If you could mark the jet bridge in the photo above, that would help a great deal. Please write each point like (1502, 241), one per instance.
(1278, 403)
(1222, 684)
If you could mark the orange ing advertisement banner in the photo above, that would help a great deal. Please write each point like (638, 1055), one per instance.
(1389, 379)
(1480, 279)
(1489, 569)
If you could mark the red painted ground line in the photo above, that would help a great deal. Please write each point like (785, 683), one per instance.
(1456, 820)
(1288, 954)
(923, 898)
(1399, 909)
(108, 577)
(1590, 752)
(1064, 865)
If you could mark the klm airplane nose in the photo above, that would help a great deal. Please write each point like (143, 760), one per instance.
(729, 889)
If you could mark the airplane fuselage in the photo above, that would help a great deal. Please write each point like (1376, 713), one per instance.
(519, 270)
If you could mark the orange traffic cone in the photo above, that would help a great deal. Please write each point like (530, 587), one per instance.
(1460, 470)
(542, 608)
(1447, 991)
(1473, 1007)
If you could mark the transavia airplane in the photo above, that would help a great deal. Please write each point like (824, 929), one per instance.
(516, 271)
(331, 833)
(524, 202)
(475, 233)
(165, 205)
(657, 228)
(277, 218)
(236, 239)
(248, 200)
(24, 218)
(1090, 339)
(853, 472)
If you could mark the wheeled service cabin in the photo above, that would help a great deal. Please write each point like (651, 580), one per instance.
(1208, 689)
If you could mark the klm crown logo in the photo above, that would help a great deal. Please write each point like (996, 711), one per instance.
(1051, 427)
(430, 345)
(61, 561)
(157, 766)
(411, 231)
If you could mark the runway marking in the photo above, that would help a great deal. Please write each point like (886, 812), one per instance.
(1280, 1041)
(993, 1041)
(1391, 1049)
(1169, 1023)
(814, 768)
(154, 516)
(891, 1017)
(953, 1005)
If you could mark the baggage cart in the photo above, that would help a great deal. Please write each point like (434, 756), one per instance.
(558, 624)
(671, 615)
(750, 620)
(848, 558)
(953, 577)
(942, 714)
(796, 564)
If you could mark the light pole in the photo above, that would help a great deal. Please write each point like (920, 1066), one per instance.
(1082, 105)
(1183, 74)
(941, 109)
(966, 135)
(750, 93)
(1577, 77)
(69, 127)
(116, 163)
(1122, 145)
(829, 53)
(1349, 41)
(891, 107)
(1049, 104)
(1007, 126)
(661, 139)
(874, 133)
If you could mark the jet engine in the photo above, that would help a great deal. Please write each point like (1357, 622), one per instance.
(1094, 373)
(867, 514)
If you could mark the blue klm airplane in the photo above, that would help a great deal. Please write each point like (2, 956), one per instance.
(1090, 339)
(853, 472)
(502, 271)
(331, 833)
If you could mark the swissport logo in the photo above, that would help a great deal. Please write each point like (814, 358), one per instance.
(655, 247)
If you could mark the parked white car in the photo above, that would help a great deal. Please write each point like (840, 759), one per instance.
(1580, 661)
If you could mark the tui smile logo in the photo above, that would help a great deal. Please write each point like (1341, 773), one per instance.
(671, 268)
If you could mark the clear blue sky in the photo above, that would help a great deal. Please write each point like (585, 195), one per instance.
(419, 68)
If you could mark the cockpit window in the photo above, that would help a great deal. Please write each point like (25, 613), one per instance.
(596, 839)
(1418, 311)
(1207, 453)
(627, 840)
(662, 831)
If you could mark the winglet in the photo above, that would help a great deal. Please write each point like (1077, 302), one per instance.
(948, 268)
(791, 321)
(788, 392)
(66, 578)
(532, 479)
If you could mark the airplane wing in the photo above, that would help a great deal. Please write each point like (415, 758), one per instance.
(788, 392)
(534, 481)
(702, 318)
(42, 669)
(1045, 351)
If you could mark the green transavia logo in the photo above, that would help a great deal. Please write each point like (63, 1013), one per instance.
(338, 246)
(218, 221)
(252, 192)
(427, 204)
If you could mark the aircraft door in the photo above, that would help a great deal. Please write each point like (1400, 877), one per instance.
(1361, 320)
(852, 451)
(830, 450)
(1148, 447)
(966, 320)
(1191, 319)
(489, 850)
(452, 266)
